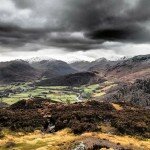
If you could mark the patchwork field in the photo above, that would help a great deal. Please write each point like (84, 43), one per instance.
(54, 93)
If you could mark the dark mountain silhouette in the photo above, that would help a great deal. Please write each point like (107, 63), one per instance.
(17, 71)
(53, 68)
(76, 79)
(125, 69)
(22, 71)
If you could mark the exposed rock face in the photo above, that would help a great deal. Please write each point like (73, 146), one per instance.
(97, 144)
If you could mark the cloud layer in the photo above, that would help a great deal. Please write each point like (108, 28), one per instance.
(74, 25)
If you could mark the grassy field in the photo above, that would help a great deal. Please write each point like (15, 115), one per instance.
(45, 92)
(56, 93)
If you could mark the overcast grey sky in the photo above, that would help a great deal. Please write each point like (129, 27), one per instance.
(74, 29)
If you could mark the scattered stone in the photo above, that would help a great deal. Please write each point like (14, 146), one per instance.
(10, 145)
(50, 129)
(3, 105)
(97, 144)
(81, 146)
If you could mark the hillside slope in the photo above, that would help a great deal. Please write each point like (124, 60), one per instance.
(23, 71)
(76, 79)
(126, 69)
(99, 65)
(17, 71)
(130, 69)
(50, 69)
(135, 93)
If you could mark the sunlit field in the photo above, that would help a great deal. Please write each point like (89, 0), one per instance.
(54, 93)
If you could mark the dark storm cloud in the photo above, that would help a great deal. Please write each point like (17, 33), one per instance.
(135, 34)
(141, 12)
(76, 14)
(52, 22)
(16, 36)
(13, 36)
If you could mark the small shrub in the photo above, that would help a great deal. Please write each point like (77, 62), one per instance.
(79, 127)
(10, 145)
(2, 135)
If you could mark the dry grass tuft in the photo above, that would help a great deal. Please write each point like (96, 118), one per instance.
(117, 106)
(63, 139)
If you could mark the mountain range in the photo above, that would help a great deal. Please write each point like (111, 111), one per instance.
(23, 71)
(127, 69)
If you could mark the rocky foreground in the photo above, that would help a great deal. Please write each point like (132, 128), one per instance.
(93, 117)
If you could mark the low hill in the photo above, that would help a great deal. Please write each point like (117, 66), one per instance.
(76, 79)
(17, 71)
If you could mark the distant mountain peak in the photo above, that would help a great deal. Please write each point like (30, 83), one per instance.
(101, 59)
(38, 59)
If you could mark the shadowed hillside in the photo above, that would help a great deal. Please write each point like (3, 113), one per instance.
(136, 93)
(76, 79)
(53, 68)
(17, 71)
(22, 71)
